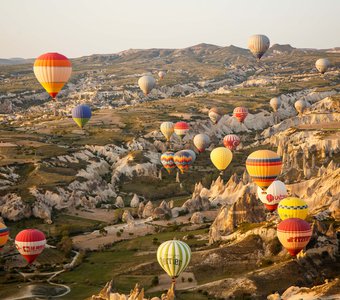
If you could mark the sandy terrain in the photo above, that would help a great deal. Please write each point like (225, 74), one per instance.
(94, 240)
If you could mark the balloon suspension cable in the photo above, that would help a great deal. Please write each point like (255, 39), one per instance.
(221, 173)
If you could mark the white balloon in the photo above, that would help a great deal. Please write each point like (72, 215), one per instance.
(274, 193)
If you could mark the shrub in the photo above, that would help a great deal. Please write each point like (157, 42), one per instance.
(275, 246)
(154, 281)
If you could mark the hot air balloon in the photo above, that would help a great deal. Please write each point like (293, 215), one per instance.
(167, 128)
(322, 64)
(294, 234)
(167, 160)
(240, 113)
(201, 142)
(264, 166)
(161, 74)
(292, 207)
(30, 243)
(273, 195)
(215, 114)
(81, 114)
(258, 45)
(275, 103)
(300, 106)
(4, 233)
(183, 160)
(221, 158)
(52, 70)
(181, 129)
(192, 153)
(173, 256)
(231, 141)
(146, 84)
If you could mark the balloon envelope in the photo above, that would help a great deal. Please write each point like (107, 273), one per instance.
(292, 207)
(215, 114)
(30, 243)
(146, 84)
(192, 153)
(183, 160)
(221, 157)
(181, 129)
(231, 141)
(322, 65)
(167, 160)
(201, 141)
(81, 114)
(273, 195)
(52, 70)
(263, 166)
(294, 235)
(4, 233)
(173, 256)
(167, 128)
(240, 113)
(275, 103)
(300, 106)
(258, 44)
(161, 74)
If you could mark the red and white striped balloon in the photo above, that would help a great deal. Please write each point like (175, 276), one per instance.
(231, 141)
(30, 243)
(240, 113)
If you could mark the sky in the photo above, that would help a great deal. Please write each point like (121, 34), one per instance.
(84, 27)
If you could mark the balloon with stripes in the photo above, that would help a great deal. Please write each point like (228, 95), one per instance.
(173, 256)
(52, 70)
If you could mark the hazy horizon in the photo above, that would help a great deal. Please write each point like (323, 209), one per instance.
(79, 28)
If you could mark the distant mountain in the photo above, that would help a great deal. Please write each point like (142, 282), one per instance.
(199, 52)
(15, 61)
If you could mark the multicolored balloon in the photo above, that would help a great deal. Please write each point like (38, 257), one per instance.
(52, 70)
(292, 207)
(4, 234)
(183, 160)
(215, 114)
(167, 160)
(273, 195)
(81, 114)
(192, 153)
(146, 84)
(173, 256)
(240, 113)
(181, 129)
(264, 166)
(221, 158)
(30, 243)
(161, 74)
(201, 142)
(231, 141)
(258, 45)
(294, 234)
(275, 103)
(322, 65)
(167, 128)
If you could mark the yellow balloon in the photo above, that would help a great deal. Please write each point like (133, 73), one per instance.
(292, 207)
(221, 157)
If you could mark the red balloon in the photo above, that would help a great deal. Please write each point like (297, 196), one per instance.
(240, 113)
(271, 207)
(231, 141)
(30, 243)
(294, 234)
